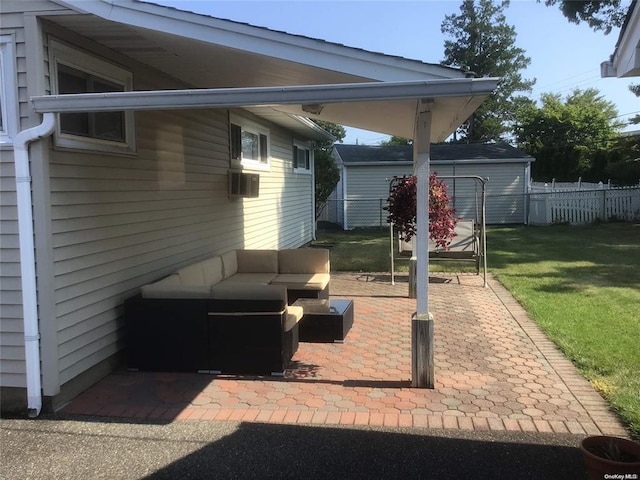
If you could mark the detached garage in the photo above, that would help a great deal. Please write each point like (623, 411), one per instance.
(365, 172)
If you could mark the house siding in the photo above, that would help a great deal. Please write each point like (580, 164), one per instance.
(504, 190)
(12, 356)
(367, 189)
(120, 221)
(12, 366)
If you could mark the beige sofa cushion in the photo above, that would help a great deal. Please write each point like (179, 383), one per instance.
(148, 291)
(303, 281)
(229, 263)
(303, 260)
(256, 278)
(212, 270)
(294, 315)
(248, 291)
(192, 275)
(172, 280)
(171, 287)
(257, 261)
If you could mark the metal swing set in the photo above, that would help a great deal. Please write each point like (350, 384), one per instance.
(468, 245)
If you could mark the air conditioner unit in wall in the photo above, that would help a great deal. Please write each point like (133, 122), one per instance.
(244, 184)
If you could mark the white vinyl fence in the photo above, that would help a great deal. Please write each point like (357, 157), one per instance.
(553, 186)
(585, 206)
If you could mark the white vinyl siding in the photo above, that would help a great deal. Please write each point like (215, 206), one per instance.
(119, 223)
(367, 191)
(505, 191)
(12, 366)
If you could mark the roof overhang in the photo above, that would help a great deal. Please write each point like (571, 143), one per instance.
(278, 76)
(236, 54)
(625, 60)
(386, 107)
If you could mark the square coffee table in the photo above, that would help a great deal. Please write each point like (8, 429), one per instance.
(325, 320)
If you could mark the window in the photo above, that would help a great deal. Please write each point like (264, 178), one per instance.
(100, 125)
(249, 143)
(302, 156)
(77, 72)
(8, 91)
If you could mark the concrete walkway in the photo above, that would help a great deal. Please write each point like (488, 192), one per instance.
(495, 371)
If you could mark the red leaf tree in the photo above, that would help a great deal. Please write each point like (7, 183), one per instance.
(402, 209)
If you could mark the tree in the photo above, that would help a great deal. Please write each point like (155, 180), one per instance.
(622, 165)
(635, 89)
(334, 129)
(395, 141)
(483, 43)
(598, 14)
(621, 162)
(325, 170)
(402, 208)
(565, 137)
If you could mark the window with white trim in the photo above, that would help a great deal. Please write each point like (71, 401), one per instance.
(8, 91)
(73, 71)
(249, 143)
(302, 156)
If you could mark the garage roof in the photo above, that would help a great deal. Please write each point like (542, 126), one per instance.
(354, 155)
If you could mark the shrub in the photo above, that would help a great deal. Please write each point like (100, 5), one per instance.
(402, 208)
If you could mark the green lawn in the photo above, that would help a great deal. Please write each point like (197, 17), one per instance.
(580, 284)
(357, 250)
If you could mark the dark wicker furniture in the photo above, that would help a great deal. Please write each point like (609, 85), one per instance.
(325, 320)
(224, 336)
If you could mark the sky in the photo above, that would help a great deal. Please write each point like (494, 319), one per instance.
(564, 56)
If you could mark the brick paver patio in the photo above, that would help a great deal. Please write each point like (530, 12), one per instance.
(495, 370)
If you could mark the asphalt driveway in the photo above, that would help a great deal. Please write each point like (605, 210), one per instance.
(62, 447)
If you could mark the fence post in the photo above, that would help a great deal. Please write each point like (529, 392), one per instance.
(603, 207)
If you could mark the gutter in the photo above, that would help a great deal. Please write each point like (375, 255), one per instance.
(27, 259)
(262, 96)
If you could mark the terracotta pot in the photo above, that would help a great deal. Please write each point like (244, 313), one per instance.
(600, 468)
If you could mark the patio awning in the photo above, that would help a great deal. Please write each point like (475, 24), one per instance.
(387, 107)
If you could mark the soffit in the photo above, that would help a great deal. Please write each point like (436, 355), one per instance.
(196, 63)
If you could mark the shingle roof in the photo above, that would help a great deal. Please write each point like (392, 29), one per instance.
(354, 154)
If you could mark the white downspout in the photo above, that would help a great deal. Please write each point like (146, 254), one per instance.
(27, 259)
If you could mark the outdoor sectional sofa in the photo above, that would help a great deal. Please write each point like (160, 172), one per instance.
(229, 314)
